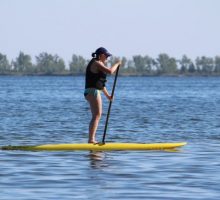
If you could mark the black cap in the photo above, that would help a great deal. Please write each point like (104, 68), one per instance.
(102, 50)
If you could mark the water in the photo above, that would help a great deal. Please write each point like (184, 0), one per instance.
(39, 110)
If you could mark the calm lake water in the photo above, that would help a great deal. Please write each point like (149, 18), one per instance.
(39, 110)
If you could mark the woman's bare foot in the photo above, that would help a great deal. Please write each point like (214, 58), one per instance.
(93, 141)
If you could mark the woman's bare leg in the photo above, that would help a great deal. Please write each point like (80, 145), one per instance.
(96, 109)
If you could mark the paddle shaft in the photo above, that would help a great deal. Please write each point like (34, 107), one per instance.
(110, 105)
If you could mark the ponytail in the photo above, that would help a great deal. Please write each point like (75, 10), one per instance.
(94, 55)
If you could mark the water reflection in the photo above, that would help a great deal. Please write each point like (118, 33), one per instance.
(97, 159)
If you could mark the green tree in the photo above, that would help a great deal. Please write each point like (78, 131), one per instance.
(78, 64)
(23, 63)
(185, 63)
(123, 68)
(192, 68)
(148, 64)
(205, 64)
(155, 66)
(59, 64)
(130, 68)
(124, 62)
(49, 64)
(166, 64)
(198, 65)
(139, 63)
(217, 64)
(143, 64)
(5, 67)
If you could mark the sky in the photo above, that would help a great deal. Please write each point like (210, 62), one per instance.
(124, 27)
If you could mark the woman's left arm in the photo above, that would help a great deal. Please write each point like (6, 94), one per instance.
(105, 91)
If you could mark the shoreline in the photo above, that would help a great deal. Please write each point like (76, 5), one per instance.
(121, 75)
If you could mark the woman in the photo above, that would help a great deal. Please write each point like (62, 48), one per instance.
(96, 72)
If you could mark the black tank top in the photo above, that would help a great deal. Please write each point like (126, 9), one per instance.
(94, 80)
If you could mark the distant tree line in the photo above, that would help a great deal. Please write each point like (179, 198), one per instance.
(48, 64)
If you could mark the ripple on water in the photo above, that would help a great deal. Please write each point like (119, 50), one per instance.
(39, 110)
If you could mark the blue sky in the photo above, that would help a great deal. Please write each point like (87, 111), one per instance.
(124, 27)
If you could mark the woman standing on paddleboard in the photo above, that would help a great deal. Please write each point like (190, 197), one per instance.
(96, 72)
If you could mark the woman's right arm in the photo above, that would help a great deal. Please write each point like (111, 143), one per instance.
(107, 70)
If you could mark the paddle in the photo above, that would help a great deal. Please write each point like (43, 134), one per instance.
(110, 104)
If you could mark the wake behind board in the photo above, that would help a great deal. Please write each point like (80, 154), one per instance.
(97, 147)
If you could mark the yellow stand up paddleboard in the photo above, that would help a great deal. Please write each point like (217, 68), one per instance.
(98, 147)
